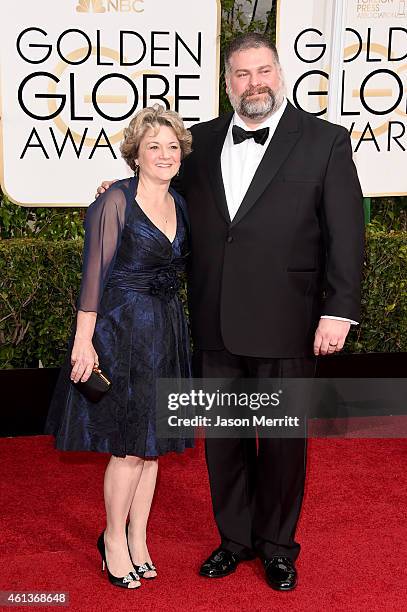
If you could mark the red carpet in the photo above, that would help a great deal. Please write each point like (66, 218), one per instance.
(352, 532)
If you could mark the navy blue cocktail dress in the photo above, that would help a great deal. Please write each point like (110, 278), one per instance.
(130, 278)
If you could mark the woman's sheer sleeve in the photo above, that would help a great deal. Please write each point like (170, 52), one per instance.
(104, 224)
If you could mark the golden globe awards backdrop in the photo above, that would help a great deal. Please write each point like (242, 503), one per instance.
(73, 72)
(373, 82)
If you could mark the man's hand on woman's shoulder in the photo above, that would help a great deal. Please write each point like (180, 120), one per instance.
(104, 187)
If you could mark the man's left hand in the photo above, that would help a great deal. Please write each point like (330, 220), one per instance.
(330, 336)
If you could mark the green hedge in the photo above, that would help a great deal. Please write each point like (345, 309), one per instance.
(383, 325)
(39, 282)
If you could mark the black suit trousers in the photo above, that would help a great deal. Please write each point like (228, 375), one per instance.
(257, 486)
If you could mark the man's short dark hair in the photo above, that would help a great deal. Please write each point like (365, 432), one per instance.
(251, 40)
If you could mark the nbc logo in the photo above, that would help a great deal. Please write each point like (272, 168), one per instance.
(109, 6)
(87, 6)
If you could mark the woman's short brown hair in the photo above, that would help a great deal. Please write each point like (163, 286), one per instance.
(152, 117)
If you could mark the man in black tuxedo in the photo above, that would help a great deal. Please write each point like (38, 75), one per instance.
(277, 237)
(277, 249)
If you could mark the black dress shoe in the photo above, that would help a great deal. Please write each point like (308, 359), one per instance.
(281, 574)
(219, 564)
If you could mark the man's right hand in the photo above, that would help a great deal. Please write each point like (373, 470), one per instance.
(103, 187)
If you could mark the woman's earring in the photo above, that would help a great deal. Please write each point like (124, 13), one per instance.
(137, 170)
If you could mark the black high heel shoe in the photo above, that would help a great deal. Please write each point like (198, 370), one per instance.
(119, 582)
(141, 569)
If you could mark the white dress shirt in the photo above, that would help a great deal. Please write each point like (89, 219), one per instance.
(240, 162)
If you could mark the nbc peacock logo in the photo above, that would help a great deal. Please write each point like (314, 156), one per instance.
(90, 6)
(109, 6)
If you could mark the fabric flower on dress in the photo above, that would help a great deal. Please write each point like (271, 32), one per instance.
(166, 284)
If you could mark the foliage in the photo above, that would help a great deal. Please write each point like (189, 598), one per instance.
(383, 326)
(389, 214)
(39, 282)
(50, 223)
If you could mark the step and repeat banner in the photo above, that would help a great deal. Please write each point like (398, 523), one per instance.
(73, 73)
(374, 78)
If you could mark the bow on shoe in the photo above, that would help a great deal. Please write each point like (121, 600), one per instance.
(130, 577)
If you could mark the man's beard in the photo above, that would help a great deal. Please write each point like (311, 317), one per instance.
(256, 108)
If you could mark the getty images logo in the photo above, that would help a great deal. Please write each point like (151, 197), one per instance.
(109, 6)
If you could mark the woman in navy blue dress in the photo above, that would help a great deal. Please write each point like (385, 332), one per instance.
(130, 320)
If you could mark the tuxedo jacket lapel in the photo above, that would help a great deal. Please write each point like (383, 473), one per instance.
(283, 140)
(214, 163)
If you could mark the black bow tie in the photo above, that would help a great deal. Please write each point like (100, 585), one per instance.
(239, 135)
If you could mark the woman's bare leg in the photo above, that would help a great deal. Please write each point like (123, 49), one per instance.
(139, 513)
(122, 477)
